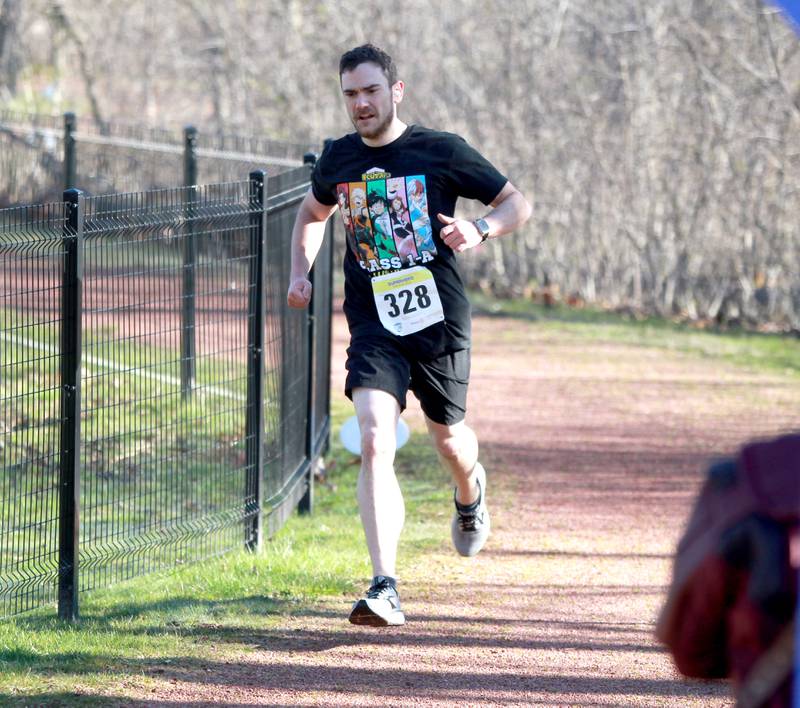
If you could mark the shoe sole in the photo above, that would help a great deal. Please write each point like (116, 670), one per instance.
(363, 615)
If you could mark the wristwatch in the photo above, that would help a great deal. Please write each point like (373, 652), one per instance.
(483, 228)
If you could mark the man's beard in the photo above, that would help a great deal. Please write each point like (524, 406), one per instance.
(378, 130)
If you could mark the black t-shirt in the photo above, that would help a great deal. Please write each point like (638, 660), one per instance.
(388, 198)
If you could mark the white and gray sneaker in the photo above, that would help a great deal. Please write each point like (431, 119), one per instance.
(470, 527)
(381, 606)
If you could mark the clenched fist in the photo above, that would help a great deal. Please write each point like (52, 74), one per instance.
(459, 234)
(299, 294)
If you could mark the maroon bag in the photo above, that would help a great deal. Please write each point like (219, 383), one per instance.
(734, 590)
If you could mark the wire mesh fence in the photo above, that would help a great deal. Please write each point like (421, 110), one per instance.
(291, 339)
(31, 257)
(193, 383)
(31, 158)
(41, 155)
(163, 465)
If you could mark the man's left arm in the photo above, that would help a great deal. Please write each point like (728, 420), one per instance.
(509, 211)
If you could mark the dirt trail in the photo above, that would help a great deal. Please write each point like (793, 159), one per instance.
(596, 453)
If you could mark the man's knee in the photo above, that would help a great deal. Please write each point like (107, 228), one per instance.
(452, 445)
(377, 443)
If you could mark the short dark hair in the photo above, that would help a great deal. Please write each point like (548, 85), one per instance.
(368, 53)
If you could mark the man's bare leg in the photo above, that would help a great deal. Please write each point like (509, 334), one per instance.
(457, 447)
(380, 501)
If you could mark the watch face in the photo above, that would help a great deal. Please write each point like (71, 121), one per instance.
(483, 227)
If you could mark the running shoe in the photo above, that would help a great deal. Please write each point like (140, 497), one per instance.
(381, 606)
(470, 527)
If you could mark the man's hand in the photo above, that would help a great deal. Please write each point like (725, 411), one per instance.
(299, 294)
(459, 234)
(509, 211)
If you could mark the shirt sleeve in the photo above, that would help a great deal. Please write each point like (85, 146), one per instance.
(472, 175)
(323, 189)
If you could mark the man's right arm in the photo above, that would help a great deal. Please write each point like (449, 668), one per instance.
(307, 236)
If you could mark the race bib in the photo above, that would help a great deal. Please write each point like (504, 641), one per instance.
(407, 301)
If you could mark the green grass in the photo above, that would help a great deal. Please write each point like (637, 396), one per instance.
(769, 352)
(223, 606)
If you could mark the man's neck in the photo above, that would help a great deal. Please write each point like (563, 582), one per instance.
(394, 131)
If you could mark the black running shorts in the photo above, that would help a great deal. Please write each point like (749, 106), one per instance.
(440, 384)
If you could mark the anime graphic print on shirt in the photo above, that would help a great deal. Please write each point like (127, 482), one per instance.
(388, 198)
(386, 221)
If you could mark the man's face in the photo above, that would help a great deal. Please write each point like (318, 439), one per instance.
(370, 100)
(377, 208)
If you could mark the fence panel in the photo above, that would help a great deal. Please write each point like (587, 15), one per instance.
(31, 158)
(31, 260)
(115, 157)
(165, 470)
(120, 157)
(288, 350)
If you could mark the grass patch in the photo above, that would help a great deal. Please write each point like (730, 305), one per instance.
(219, 608)
(755, 350)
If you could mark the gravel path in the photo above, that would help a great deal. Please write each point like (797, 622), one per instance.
(594, 455)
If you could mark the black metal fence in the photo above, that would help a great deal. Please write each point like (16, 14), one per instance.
(159, 403)
(41, 155)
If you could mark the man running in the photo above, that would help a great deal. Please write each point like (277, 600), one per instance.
(408, 314)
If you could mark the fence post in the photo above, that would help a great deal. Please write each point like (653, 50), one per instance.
(189, 156)
(70, 158)
(306, 503)
(69, 468)
(188, 348)
(254, 488)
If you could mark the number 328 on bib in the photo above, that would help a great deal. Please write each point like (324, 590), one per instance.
(407, 301)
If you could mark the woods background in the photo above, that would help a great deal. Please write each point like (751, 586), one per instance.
(659, 141)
